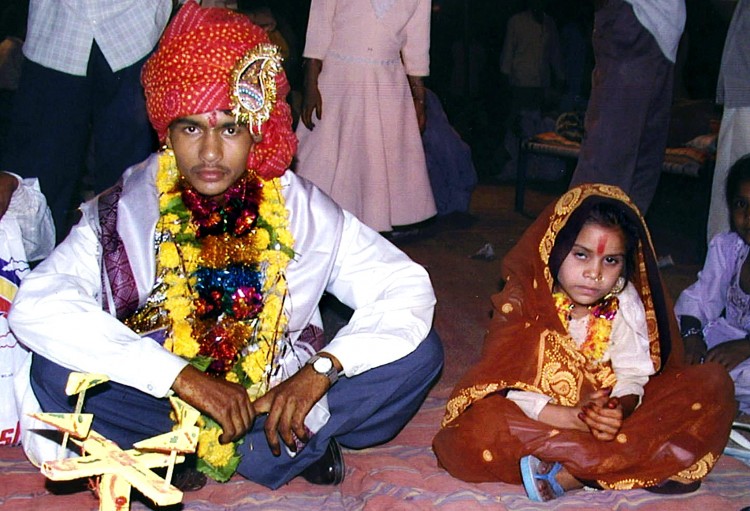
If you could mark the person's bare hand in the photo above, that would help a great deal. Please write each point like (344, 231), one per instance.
(569, 417)
(288, 404)
(419, 96)
(598, 397)
(730, 354)
(604, 422)
(695, 349)
(311, 102)
(225, 402)
(421, 114)
(8, 185)
(311, 99)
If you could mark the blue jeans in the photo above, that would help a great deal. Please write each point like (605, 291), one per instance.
(366, 410)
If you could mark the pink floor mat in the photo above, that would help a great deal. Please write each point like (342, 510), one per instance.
(400, 475)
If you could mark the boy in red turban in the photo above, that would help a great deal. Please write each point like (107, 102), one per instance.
(200, 273)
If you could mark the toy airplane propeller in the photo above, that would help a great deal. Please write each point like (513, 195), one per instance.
(119, 469)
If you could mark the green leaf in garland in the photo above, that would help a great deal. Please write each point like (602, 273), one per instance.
(201, 362)
(220, 474)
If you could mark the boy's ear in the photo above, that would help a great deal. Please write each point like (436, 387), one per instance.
(168, 140)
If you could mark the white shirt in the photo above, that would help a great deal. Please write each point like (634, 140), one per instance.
(61, 32)
(58, 314)
(628, 352)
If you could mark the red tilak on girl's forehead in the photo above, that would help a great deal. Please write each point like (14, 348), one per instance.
(602, 244)
(212, 119)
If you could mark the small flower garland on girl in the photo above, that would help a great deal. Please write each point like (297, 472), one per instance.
(599, 328)
(220, 288)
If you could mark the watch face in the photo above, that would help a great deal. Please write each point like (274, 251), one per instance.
(323, 365)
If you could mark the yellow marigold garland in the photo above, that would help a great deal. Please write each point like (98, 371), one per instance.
(600, 324)
(179, 254)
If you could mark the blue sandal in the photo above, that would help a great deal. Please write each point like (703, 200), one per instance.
(529, 473)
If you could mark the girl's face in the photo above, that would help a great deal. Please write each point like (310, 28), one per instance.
(593, 265)
(739, 207)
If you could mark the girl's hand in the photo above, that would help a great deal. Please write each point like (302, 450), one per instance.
(419, 108)
(605, 421)
(598, 397)
(730, 354)
(418, 95)
(312, 101)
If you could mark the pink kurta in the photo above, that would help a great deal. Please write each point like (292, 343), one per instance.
(366, 151)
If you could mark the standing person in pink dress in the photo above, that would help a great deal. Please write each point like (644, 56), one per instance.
(359, 139)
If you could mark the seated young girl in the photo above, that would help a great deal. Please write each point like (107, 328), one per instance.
(714, 312)
(582, 380)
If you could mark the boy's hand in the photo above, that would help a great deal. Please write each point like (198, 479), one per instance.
(695, 349)
(225, 402)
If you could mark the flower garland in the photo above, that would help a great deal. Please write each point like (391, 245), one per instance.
(220, 288)
(600, 325)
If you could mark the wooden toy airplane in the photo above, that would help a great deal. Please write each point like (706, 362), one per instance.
(120, 470)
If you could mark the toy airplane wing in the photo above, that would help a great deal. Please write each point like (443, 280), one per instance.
(181, 440)
(68, 469)
(105, 457)
(150, 484)
(98, 445)
(186, 414)
(153, 459)
(77, 425)
(78, 382)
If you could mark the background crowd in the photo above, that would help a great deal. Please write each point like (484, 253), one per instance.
(466, 73)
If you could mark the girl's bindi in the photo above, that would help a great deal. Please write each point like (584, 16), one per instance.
(213, 119)
(602, 245)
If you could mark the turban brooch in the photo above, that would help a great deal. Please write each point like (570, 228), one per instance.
(217, 59)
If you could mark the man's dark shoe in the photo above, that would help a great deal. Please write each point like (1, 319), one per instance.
(329, 469)
(188, 479)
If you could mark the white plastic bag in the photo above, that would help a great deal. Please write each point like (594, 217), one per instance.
(13, 267)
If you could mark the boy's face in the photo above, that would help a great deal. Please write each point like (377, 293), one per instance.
(739, 209)
(211, 150)
(593, 265)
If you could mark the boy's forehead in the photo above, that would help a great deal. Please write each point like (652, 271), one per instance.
(213, 118)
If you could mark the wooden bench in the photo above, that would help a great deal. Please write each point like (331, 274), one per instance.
(685, 161)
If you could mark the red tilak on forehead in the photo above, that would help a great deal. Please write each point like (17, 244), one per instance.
(602, 244)
(212, 119)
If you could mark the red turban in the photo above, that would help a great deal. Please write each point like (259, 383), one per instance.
(191, 72)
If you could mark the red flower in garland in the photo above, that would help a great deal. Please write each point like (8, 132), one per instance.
(238, 214)
(246, 302)
(221, 345)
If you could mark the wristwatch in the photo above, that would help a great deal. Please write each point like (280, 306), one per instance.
(324, 365)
